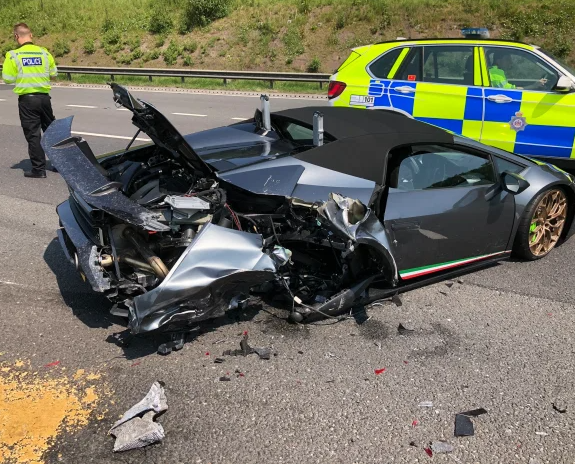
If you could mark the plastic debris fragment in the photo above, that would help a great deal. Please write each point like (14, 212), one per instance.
(560, 406)
(224, 378)
(426, 404)
(404, 328)
(463, 424)
(379, 371)
(395, 299)
(428, 451)
(137, 428)
(246, 349)
(440, 447)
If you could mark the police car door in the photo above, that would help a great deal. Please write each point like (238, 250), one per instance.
(530, 119)
(436, 84)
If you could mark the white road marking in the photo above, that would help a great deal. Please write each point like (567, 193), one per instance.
(2, 100)
(239, 119)
(122, 109)
(7, 282)
(191, 114)
(111, 136)
(82, 106)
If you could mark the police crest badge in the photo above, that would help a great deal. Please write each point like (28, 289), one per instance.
(518, 122)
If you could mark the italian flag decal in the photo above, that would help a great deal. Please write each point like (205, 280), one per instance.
(421, 271)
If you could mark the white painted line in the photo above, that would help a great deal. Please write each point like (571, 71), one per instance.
(2, 100)
(240, 119)
(111, 136)
(191, 114)
(122, 109)
(82, 106)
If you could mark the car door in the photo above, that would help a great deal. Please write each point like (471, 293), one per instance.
(444, 209)
(526, 117)
(441, 85)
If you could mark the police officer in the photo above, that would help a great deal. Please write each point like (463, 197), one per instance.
(502, 63)
(30, 67)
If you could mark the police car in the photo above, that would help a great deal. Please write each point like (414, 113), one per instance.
(510, 95)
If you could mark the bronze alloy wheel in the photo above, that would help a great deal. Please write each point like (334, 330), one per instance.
(547, 223)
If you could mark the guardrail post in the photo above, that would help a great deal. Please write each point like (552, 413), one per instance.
(183, 79)
(150, 78)
(225, 82)
(320, 85)
(271, 84)
(69, 76)
(112, 77)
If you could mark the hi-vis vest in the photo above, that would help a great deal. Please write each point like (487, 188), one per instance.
(30, 68)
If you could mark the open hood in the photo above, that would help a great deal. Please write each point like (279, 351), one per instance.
(162, 132)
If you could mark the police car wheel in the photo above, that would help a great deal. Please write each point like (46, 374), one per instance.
(541, 226)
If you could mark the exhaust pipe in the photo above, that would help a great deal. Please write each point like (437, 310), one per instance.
(154, 261)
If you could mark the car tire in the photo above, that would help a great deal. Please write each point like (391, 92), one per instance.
(541, 225)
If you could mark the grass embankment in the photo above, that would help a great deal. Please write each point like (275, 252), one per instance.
(267, 35)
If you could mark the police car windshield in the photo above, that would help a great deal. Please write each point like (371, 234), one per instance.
(561, 62)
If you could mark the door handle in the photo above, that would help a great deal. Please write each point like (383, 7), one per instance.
(500, 98)
(404, 89)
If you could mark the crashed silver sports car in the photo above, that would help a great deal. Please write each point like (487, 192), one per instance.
(331, 207)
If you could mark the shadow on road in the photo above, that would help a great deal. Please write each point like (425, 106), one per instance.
(88, 306)
(26, 165)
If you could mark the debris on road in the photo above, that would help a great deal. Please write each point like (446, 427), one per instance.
(463, 424)
(137, 428)
(395, 299)
(379, 371)
(449, 284)
(219, 360)
(428, 451)
(405, 328)
(440, 447)
(225, 378)
(378, 344)
(176, 343)
(246, 349)
(415, 423)
(426, 404)
(560, 406)
(52, 364)
(541, 434)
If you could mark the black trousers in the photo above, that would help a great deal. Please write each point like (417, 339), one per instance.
(35, 115)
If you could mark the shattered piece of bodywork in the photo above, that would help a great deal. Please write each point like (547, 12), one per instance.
(137, 433)
(426, 404)
(463, 424)
(428, 451)
(440, 447)
(395, 299)
(449, 284)
(246, 349)
(560, 406)
(176, 343)
(225, 378)
(281, 255)
(405, 328)
(137, 428)
(219, 360)
(379, 371)
(263, 353)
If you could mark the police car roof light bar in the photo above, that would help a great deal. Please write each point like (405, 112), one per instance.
(475, 33)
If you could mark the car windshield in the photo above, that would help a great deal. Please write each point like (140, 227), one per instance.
(561, 62)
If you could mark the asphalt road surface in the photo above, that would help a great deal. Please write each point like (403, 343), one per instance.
(501, 339)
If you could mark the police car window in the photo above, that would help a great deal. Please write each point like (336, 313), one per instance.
(520, 68)
(381, 67)
(448, 65)
(411, 68)
(506, 165)
(422, 167)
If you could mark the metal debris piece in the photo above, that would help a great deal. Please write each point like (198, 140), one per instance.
(426, 404)
(137, 428)
(442, 292)
(176, 343)
(440, 447)
(219, 360)
(224, 378)
(405, 328)
(463, 424)
(449, 284)
(246, 349)
(560, 406)
(395, 299)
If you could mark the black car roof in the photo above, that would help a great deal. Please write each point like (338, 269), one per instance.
(363, 138)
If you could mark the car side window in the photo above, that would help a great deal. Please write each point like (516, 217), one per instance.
(506, 165)
(381, 67)
(422, 167)
(411, 67)
(511, 68)
(448, 65)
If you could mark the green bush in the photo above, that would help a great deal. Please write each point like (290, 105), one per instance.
(112, 49)
(340, 21)
(137, 54)
(89, 46)
(124, 58)
(60, 48)
(160, 21)
(134, 43)
(160, 41)
(151, 55)
(108, 25)
(293, 41)
(200, 13)
(314, 65)
(172, 53)
(190, 46)
(188, 61)
(111, 37)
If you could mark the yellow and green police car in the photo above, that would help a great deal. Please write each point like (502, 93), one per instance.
(510, 95)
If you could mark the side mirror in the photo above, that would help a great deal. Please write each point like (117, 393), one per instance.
(564, 84)
(513, 183)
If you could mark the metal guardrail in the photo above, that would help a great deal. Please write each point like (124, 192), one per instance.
(226, 76)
